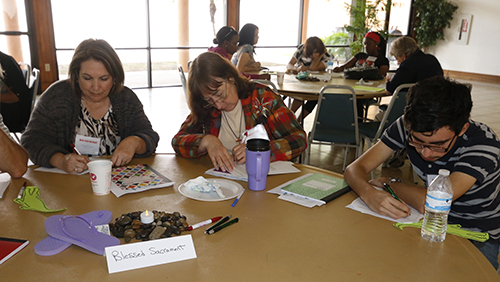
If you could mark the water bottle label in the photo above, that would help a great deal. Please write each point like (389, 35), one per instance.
(438, 204)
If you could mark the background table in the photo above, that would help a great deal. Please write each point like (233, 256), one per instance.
(275, 240)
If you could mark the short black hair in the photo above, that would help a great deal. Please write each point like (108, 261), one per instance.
(437, 102)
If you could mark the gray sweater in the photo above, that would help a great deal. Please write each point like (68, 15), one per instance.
(51, 128)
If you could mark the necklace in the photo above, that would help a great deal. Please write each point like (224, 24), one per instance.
(237, 136)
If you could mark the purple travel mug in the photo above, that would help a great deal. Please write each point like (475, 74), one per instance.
(258, 153)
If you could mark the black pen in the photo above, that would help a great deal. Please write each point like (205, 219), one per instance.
(216, 229)
(226, 218)
(20, 195)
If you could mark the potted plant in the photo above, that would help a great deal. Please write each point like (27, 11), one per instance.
(432, 16)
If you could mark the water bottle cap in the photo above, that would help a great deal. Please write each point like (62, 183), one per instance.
(444, 172)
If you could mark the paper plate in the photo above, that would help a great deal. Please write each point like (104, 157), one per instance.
(229, 188)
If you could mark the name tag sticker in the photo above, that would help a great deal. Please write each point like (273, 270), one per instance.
(149, 253)
(87, 145)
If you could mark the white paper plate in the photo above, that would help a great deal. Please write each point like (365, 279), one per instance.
(229, 188)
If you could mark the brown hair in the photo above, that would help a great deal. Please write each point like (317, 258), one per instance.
(204, 77)
(313, 44)
(98, 50)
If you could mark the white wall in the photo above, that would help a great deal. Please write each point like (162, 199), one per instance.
(481, 54)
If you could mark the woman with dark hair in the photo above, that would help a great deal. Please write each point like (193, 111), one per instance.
(243, 58)
(311, 55)
(91, 110)
(227, 42)
(224, 104)
(375, 47)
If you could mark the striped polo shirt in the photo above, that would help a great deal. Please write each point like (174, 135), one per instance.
(476, 153)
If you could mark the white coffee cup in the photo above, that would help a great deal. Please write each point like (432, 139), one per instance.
(280, 77)
(100, 176)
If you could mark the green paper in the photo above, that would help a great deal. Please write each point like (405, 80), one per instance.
(31, 201)
(368, 88)
(453, 229)
(316, 186)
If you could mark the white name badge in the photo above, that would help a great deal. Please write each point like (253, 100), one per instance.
(149, 253)
(87, 145)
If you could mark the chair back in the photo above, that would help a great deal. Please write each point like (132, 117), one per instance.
(268, 83)
(183, 79)
(34, 84)
(336, 118)
(395, 109)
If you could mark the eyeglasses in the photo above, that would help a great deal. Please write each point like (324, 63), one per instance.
(434, 148)
(218, 97)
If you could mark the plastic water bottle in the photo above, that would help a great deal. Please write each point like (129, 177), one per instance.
(329, 65)
(437, 207)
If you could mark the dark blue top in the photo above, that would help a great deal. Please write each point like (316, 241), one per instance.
(417, 67)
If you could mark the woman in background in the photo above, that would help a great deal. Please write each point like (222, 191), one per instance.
(243, 58)
(227, 42)
(375, 47)
(91, 107)
(311, 55)
(224, 104)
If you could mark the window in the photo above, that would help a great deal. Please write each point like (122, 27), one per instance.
(14, 36)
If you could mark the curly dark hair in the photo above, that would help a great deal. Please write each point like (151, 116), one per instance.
(205, 76)
(437, 102)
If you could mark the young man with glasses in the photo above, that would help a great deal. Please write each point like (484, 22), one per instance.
(437, 133)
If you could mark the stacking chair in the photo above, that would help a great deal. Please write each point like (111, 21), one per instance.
(183, 80)
(371, 131)
(336, 121)
(33, 81)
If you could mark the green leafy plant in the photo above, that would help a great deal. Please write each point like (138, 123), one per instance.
(337, 38)
(433, 16)
(363, 19)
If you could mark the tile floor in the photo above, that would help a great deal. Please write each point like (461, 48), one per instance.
(167, 109)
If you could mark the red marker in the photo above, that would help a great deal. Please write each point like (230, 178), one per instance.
(75, 149)
(203, 223)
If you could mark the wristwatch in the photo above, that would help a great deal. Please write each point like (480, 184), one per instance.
(395, 179)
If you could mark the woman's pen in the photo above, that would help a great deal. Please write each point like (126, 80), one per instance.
(229, 223)
(237, 198)
(75, 149)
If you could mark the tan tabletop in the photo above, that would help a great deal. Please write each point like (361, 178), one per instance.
(275, 240)
(309, 90)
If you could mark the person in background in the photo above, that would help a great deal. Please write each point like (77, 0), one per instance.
(375, 46)
(15, 98)
(13, 157)
(311, 55)
(414, 65)
(93, 110)
(227, 42)
(437, 132)
(243, 58)
(224, 104)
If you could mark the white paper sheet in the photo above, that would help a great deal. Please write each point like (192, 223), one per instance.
(240, 172)
(4, 182)
(359, 205)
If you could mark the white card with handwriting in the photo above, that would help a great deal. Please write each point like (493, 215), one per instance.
(149, 253)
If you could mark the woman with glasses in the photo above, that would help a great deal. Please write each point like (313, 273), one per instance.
(437, 132)
(89, 114)
(224, 104)
(227, 42)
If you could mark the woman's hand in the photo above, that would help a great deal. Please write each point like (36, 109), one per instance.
(70, 163)
(220, 157)
(239, 153)
(125, 151)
